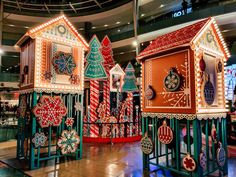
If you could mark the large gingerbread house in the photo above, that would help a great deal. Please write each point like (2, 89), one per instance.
(51, 87)
(183, 96)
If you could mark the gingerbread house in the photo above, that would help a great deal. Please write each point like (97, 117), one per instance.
(183, 83)
(51, 92)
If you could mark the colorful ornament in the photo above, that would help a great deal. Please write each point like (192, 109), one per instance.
(68, 142)
(146, 144)
(47, 75)
(172, 81)
(129, 79)
(189, 163)
(50, 111)
(209, 92)
(149, 93)
(202, 65)
(220, 155)
(74, 79)
(39, 139)
(78, 106)
(63, 63)
(69, 121)
(213, 132)
(203, 159)
(165, 133)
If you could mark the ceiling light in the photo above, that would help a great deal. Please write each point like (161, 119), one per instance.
(94, 27)
(128, 23)
(118, 30)
(11, 25)
(121, 53)
(105, 25)
(26, 27)
(142, 15)
(81, 29)
(1, 51)
(162, 5)
(225, 31)
(118, 23)
(135, 43)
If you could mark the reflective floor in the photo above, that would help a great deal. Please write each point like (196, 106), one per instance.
(99, 160)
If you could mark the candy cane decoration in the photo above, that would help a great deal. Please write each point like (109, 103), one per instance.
(106, 94)
(94, 102)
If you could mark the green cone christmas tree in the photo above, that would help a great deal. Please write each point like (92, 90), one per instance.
(94, 68)
(129, 79)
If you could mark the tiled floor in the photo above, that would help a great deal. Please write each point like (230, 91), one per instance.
(99, 160)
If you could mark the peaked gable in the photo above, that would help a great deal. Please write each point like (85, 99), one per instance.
(57, 27)
(117, 69)
(173, 39)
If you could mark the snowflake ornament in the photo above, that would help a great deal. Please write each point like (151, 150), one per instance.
(172, 81)
(68, 142)
(63, 63)
(78, 106)
(188, 163)
(74, 79)
(39, 139)
(50, 111)
(69, 121)
(47, 75)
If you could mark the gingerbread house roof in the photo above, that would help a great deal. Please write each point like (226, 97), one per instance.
(39, 28)
(179, 38)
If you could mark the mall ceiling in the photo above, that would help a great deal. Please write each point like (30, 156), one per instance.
(69, 7)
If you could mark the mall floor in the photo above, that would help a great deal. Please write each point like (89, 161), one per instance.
(99, 160)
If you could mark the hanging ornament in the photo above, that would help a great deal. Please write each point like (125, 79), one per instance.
(50, 111)
(69, 121)
(219, 67)
(68, 142)
(47, 75)
(209, 92)
(165, 133)
(74, 79)
(220, 155)
(203, 159)
(146, 144)
(172, 81)
(202, 64)
(39, 139)
(213, 132)
(189, 163)
(78, 106)
(149, 93)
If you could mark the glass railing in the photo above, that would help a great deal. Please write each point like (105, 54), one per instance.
(170, 18)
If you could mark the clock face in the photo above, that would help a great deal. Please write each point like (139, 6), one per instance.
(209, 37)
(61, 29)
